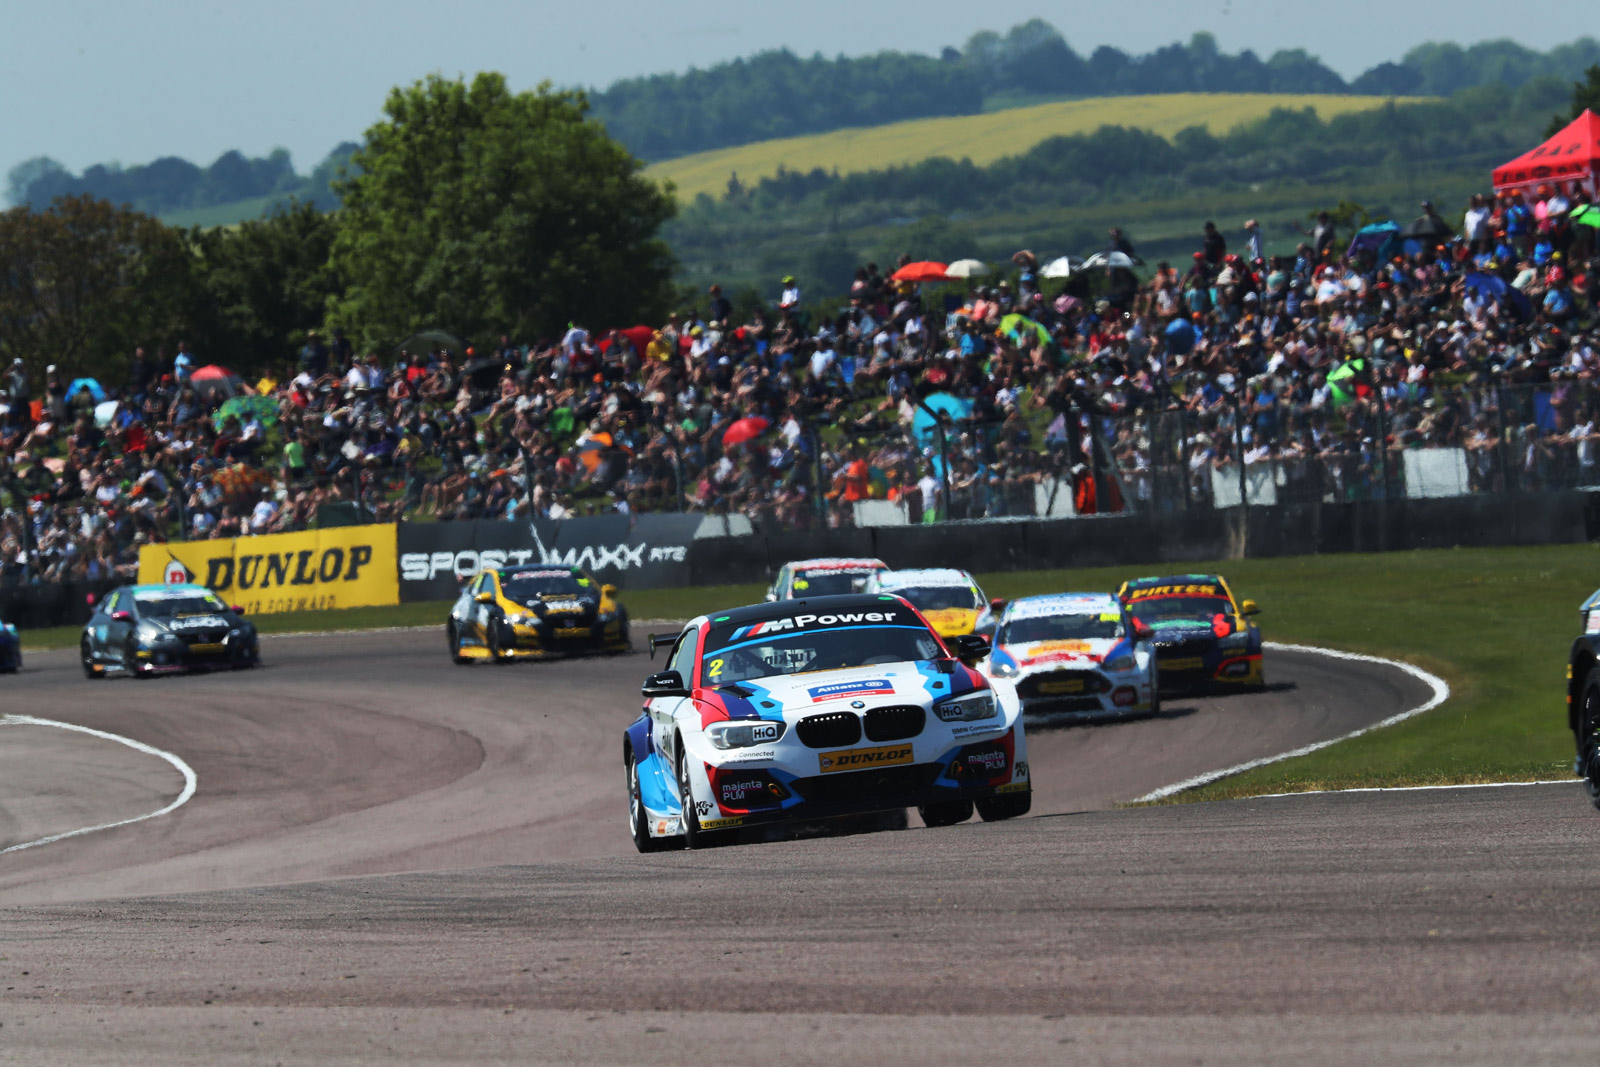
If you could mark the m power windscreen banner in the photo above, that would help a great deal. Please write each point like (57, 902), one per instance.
(346, 567)
(642, 551)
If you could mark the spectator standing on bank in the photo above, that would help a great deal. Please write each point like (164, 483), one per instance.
(791, 293)
(182, 363)
(314, 356)
(1212, 245)
(1252, 238)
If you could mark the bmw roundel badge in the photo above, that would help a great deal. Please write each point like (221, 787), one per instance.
(858, 704)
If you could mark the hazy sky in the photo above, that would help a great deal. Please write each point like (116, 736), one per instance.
(94, 81)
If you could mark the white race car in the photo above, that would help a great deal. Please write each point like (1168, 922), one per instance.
(807, 709)
(823, 577)
(948, 597)
(1075, 655)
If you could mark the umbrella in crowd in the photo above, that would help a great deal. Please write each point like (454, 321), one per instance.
(212, 383)
(1428, 228)
(1062, 267)
(1110, 260)
(966, 268)
(1347, 381)
(430, 340)
(90, 384)
(746, 429)
(1586, 215)
(104, 412)
(244, 408)
(592, 448)
(1379, 238)
(1485, 284)
(953, 407)
(1018, 325)
(924, 271)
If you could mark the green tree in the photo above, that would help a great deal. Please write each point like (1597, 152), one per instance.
(1585, 94)
(85, 282)
(264, 284)
(485, 211)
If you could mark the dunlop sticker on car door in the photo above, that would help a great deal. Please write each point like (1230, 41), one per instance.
(863, 759)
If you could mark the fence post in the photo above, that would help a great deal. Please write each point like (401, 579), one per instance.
(1501, 443)
(821, 489)
(1238, 439)
(1183, 457)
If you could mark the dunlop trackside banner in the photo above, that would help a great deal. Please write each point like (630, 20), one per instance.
(345, 567)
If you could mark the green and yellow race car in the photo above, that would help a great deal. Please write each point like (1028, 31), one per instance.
(534, 611)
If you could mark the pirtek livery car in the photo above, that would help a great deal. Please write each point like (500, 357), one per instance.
(1076, 655)
(1202, 636)
(1583, 697)
(826, 706)
(158, 629)
(823, 577)
(533, 611)
(950, 599)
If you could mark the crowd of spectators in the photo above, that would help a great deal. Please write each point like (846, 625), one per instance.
(1119, 390)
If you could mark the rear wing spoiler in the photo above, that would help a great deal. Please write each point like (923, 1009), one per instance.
(661, 641)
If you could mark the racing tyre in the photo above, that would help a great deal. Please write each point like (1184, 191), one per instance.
(1005, 806)
(491, 640)
(639, 819)
(86, 657)
(1589, 735)
(453, 637)
(688, 817)
(945, 813)
(130, 658)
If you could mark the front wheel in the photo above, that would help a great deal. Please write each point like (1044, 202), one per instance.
(639, 818)
(453, 639)
(693, 836)
(1589, 736)
(1005, 806)
(945, 813)
(86, 657)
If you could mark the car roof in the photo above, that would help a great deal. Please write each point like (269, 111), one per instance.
(924, 576)
(1047, 604)
(779, 609)
(179, 587)
(1172, 579)
(837, 563)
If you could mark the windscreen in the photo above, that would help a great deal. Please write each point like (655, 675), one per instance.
(178, 606)
(816, 642)
(831, 582)
(523, 586)
(942, 597)
(1084, 627)
(1202, 600)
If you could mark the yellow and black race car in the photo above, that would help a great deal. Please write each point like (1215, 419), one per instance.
(530, 612)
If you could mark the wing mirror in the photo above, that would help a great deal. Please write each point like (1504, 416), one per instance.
(1248, 607)
(122, 616)
(237, 609)
(484, 598)
(997, 605)
(608, 590)
(1141, 630)
(970, 648)
(664, 684)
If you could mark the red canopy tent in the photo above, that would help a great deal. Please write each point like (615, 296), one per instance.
(1573, 155)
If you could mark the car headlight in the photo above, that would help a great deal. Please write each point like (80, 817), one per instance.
(1123, 662)
(523, 619)
(605, 616)
(969, 707)
(727, 735)
(1002, 668)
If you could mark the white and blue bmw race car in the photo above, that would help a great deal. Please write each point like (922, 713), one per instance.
(807, 709)
(1075, 656)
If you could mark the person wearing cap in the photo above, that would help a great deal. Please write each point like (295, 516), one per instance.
(791, 293)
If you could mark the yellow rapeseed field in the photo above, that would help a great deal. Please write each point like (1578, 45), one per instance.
(984, 138)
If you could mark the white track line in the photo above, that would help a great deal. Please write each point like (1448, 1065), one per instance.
(1441, 692)
(1413, 788)
(189, 779)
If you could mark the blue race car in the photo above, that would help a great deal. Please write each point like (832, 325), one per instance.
(10, 649)
(1203, 636)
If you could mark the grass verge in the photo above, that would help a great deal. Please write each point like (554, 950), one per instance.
(1496, 624)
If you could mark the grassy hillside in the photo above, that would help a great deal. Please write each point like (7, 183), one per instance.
(987, 137)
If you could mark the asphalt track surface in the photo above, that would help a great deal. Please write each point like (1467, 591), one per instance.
(391, 859)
